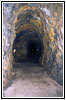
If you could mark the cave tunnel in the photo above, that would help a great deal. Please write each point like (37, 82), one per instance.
(28, 43)
(27, 47)
(33, 59)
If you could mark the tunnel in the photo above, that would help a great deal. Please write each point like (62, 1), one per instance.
(32, 44)
(28, 42)
(33, 49)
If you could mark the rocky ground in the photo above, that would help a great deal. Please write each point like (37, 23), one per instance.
(32, 81)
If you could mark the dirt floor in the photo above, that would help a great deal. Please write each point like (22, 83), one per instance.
(32, 81)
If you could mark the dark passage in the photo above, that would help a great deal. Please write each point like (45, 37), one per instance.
(27, 47)
(34, 50)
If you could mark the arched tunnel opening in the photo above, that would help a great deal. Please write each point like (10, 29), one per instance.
(28, 43)
(28, 47)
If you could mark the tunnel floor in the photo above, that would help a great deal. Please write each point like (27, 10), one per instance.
(31, 80)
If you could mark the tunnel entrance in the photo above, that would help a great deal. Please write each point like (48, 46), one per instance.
(27, 49)
(28, 44)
